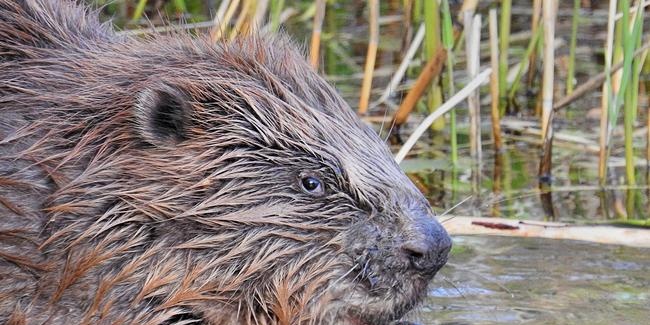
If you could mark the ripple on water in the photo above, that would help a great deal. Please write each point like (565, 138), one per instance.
(499, 280)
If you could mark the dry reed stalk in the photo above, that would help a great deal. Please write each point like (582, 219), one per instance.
(494, 79)
(472, 44)
(242, 18)
(221, 11)
(261, 9)
(460, 96)
(467, 6)
(545, 165)
(281, 19)
(401, 70)
(221, 22)
(317, 29)
(604, 112)
(431, 70)
(549, 9)
(373, 42)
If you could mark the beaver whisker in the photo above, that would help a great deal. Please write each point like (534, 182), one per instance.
(390, 130)
(460, 292)
(483, 277)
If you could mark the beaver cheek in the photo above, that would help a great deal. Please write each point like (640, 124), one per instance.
(375, 249)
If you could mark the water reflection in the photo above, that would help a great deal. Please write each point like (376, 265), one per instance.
(509, 188)
(497, 280)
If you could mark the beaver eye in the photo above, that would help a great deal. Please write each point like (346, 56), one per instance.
(312, 185)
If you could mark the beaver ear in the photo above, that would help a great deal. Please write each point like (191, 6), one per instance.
(163, 113)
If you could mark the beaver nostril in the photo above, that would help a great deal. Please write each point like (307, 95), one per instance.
(426, 245)
(415, 251)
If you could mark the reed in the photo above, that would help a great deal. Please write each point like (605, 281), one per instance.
(516, 83)
(631, 40)
(417, 11)
(222, 22)
(241, 21)
(448, 44)
(373, 43)
(275, 11)
(606, 95)
(317, 29)
(139, 10)
(261, 12)
(504, 46)
(472, 51)
(645, 68)
(629, 115)
(331, 27)
(549, 12)
(534, 29)
(431, 46)
(401, 70)
(494, 80)
(180, 6)
(429, 72)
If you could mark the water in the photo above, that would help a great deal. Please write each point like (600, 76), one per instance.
(508, 186)
(499, 280)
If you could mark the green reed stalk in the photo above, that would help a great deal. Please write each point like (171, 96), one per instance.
(630, 41)
(637, 65)
(139, 9)
(275, 11)
(572, 47)
(417, 11)
(448, 43)
(431, 46)
(180, 6)
(532, 45)
(535, 25)
(504, 44)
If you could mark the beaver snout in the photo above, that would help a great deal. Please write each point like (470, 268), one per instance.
(427, 243)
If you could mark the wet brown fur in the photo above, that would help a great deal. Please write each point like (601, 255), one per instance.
(157, 181)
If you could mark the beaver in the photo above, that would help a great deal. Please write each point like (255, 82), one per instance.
(171, 180)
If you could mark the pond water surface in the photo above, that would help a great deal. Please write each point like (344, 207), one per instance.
(499, 280)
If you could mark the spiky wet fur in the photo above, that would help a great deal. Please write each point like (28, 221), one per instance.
(111, 215)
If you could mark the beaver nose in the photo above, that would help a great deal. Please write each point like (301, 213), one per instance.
(427, 244)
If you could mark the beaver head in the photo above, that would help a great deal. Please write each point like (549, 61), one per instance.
(225, 183)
